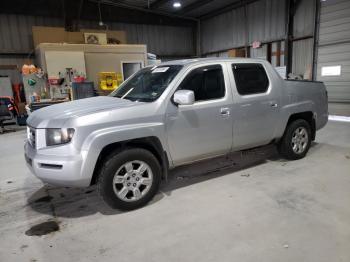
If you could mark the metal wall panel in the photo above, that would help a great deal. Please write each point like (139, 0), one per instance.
(14, 60)
(160, 40)
(275, 62)
(14, 74)
(16, 31)
(16, 35)
(224, 31)
(304, 19)
(334, 22)
(334, 48)
(338, 86)
(266, 20)
(302, 56)
(265, 23)
(260, 53)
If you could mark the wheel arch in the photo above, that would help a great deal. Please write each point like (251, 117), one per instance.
(309, 117)
(150, 143)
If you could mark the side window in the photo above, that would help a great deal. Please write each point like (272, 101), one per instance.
(206, 82)
(250, 78)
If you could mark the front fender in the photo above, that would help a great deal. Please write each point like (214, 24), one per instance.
(101, 138)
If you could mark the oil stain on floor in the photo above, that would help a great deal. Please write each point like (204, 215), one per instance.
(43, 228)
(44, 199)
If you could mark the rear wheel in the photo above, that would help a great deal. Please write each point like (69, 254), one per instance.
(129, 179)
(296, 140)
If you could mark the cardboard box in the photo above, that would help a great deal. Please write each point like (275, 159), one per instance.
(75, 38)
(238, 52)
(45, 34)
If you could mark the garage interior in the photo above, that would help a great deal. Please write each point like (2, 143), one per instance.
(250, 206)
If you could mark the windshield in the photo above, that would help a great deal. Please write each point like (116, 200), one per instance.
(147, 84)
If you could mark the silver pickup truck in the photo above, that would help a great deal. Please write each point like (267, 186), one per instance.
(168, 115)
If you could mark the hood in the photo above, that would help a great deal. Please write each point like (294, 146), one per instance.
(56, 115)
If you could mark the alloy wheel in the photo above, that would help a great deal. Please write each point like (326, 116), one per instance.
(132, 180)
(300, 140)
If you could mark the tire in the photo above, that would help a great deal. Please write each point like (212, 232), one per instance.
(121, 175)
(296, 140)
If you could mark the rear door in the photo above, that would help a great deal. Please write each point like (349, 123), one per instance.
(203, 129)
(256, 105)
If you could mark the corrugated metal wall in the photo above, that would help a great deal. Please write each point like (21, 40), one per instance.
(14, 74)
(266, 20)
(160, 40)
(334, 48)
(260, 53)
(224, 31)
(302, 57)
(16, 31)
(16, 35)
(304, 23)
(265, 23)
(16, 38)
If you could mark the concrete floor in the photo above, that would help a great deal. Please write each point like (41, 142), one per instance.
(251, 206)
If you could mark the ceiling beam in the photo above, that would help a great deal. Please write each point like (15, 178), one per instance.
(158, 3)
(195, 5)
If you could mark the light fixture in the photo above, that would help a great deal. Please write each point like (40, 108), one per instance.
(177, 4)
(100, 23)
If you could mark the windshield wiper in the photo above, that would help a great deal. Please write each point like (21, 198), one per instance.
(127, 93)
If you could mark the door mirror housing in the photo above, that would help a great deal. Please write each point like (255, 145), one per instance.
(184, 97)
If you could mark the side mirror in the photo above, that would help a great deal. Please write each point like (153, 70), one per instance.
(184, 97)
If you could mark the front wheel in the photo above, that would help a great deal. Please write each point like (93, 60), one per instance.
(129, 178)
(296, 140)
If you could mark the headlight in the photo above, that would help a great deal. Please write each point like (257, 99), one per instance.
(58, 136)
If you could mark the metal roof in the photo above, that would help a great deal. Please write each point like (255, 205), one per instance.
(189, 8)
(131, 11)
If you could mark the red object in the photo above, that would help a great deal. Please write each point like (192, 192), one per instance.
(17, 91)
(54, 81)
(79, 79)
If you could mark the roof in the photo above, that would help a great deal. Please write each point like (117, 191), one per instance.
(187, 62)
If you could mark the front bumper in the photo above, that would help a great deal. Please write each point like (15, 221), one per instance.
(56, 169)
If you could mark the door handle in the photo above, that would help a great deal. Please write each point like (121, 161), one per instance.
(225, 111)
(273, 104)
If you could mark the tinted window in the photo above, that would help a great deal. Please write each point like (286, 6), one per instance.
(250, 78)
(206, 83)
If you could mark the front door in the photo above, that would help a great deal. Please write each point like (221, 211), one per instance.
(203, 129)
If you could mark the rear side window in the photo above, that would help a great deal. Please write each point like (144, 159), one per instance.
(250, 78)
(206, 82)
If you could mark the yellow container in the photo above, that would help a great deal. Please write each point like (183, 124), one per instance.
(108, 81)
